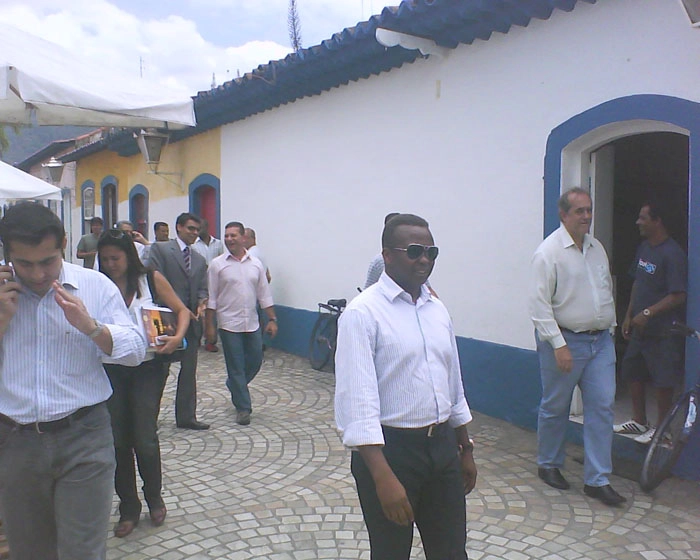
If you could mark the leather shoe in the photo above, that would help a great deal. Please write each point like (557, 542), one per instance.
(605, 494)
(243, 417)
(124, 527)
(553, 477)
(193, 425)
(158, 515)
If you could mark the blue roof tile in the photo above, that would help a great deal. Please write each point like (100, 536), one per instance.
(350, 55)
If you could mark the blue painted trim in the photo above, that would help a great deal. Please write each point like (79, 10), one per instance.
(673, 110)
(680, 112)
(108, 180)
(206, 180)
(137, 190)
(501, 381)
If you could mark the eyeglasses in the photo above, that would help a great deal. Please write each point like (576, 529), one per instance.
(116, 233)
(415, 251)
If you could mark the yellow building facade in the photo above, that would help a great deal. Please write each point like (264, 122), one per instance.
(116, 187)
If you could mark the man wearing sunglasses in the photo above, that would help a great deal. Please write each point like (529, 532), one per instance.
(186, 271)
(400, 404)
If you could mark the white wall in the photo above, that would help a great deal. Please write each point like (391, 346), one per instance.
(459, 141)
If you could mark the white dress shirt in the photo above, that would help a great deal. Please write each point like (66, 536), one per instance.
(49, 369)
(235, 286)
(134, 309)
(255, 251)
(211, 251)
(570, 288)
(396, 365)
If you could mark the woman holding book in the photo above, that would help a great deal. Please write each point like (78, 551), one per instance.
(137, 391)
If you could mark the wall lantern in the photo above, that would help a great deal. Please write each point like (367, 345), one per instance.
(55, 170)
(150, 143)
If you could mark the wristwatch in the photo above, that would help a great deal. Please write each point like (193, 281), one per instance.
(98, 329)
(646, 312)
(273, 319)
(467, 448)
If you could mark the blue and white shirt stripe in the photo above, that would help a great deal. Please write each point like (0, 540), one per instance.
(49, 369)
(396, 365)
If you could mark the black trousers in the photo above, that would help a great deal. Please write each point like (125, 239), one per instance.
(186, 392)
(134, 408)
(429, 469)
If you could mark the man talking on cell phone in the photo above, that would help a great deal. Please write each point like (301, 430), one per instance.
(57, 323)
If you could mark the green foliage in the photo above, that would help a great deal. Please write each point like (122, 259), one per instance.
(4, 142)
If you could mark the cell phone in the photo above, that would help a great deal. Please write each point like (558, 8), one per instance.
(14, 276)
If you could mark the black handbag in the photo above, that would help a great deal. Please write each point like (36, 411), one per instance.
(177, 355)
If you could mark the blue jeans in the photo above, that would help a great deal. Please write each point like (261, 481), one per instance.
(594, 372)
(56, 489)
(243, 355)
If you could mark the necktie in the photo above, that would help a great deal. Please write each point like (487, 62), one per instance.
(186, 254)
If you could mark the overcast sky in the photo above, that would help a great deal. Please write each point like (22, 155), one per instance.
(182, 42)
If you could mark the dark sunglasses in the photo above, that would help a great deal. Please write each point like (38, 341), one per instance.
(118, 234)
(115, 233)
(415, 251)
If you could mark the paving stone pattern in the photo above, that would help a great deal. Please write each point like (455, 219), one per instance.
(281, 488)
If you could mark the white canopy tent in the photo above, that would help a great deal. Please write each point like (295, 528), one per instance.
(42, 83)
(15, 184)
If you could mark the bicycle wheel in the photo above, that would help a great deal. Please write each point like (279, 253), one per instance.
(322, 340)
(665, 447)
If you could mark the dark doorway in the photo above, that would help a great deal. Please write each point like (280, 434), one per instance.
(109, 205)
(644, 166)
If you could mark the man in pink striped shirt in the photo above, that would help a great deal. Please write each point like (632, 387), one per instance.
(237, 282)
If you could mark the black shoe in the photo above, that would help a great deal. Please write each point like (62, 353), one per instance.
(193, 425)
(243, 417)
(553, 477)
(605, 494)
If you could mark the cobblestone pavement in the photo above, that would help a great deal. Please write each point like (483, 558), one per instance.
(280, 489)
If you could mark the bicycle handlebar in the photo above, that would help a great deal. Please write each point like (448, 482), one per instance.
(332, 308)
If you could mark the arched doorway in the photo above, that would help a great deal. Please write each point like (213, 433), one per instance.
(624, 151)
(205, 201)
(138, 209)
(110, 201)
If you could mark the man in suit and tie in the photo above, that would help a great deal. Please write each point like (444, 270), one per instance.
(186, 270)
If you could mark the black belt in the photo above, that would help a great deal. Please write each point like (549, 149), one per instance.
(423, 432)
(591, 332)
(54, 426)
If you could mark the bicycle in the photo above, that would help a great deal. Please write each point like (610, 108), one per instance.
(673, 433)
(325, 332)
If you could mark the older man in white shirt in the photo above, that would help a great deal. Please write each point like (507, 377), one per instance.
(572, 308)
(400, 404)
(58, 321)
